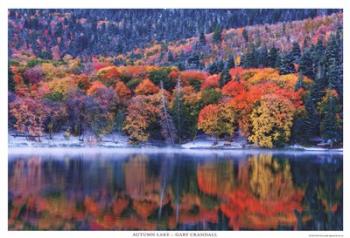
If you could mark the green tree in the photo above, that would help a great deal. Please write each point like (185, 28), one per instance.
(296, 52)
(286, 65)
(202, 39)
(217, 36)
(306, 64)
(156, 76)
(273, 57)
(184, 121)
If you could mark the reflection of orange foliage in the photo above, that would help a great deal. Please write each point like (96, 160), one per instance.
(203, 215)
(144, 208)
(133, 223)
(189, 200)
(332, 208)
(119, 206)
(246, 211)
(91, 206)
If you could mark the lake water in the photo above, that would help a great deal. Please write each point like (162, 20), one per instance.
(175, 190)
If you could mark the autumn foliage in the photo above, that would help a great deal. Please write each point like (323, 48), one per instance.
(241, 105)
(217, 120)
(272, 120)
(146, 87)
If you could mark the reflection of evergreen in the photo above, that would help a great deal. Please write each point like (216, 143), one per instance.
(320, 179)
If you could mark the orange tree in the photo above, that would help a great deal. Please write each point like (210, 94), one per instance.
(30, 115)
(141, 113)
(146, 87)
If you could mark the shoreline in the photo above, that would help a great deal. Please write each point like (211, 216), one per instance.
(165, 150)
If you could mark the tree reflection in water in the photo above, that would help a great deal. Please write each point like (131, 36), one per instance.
(176, 191)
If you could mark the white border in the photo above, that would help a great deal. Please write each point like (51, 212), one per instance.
(5, 4)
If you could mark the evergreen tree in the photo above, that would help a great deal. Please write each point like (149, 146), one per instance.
(217, 36)
(11, 82)
(202, 39)
(296, 52)
(320, 83)
(334, 65)
(230, 62)
(216, 67)
(170, 56)
(300, 82)
(250, 59)
(317, 54)
(286, 65)
(306, 64)
(262, 57)
(119, 120)
(177, 111)
(329, 128)
(245, 35)
(312, 120)
(224, 77)
(333, 75)
(272, 57)
(184, 122)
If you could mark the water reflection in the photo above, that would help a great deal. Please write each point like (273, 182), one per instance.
(176, 191)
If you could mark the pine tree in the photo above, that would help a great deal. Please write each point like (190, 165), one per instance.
(184, 122)
(11, 82)
(306, 64)
(300, 82)
(230, 62)
(250, 58)
(320, 83)
(262, 57)
(334, 65)
(333, 72)
(245, 35)
(224, 77)
(286, 65)
(329, 128)
(119, 120)
(312, 120)
(272, 57)
(296, 52)
(217, 36)
(202, 39)
(170, 56)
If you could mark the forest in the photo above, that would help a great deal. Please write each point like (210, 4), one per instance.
(275, 79)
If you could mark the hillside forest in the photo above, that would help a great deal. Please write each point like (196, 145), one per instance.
(273, 77)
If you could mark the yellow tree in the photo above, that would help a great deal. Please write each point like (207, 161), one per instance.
(271, 121)
(217, 120)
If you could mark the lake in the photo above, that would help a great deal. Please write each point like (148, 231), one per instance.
(175, 190)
